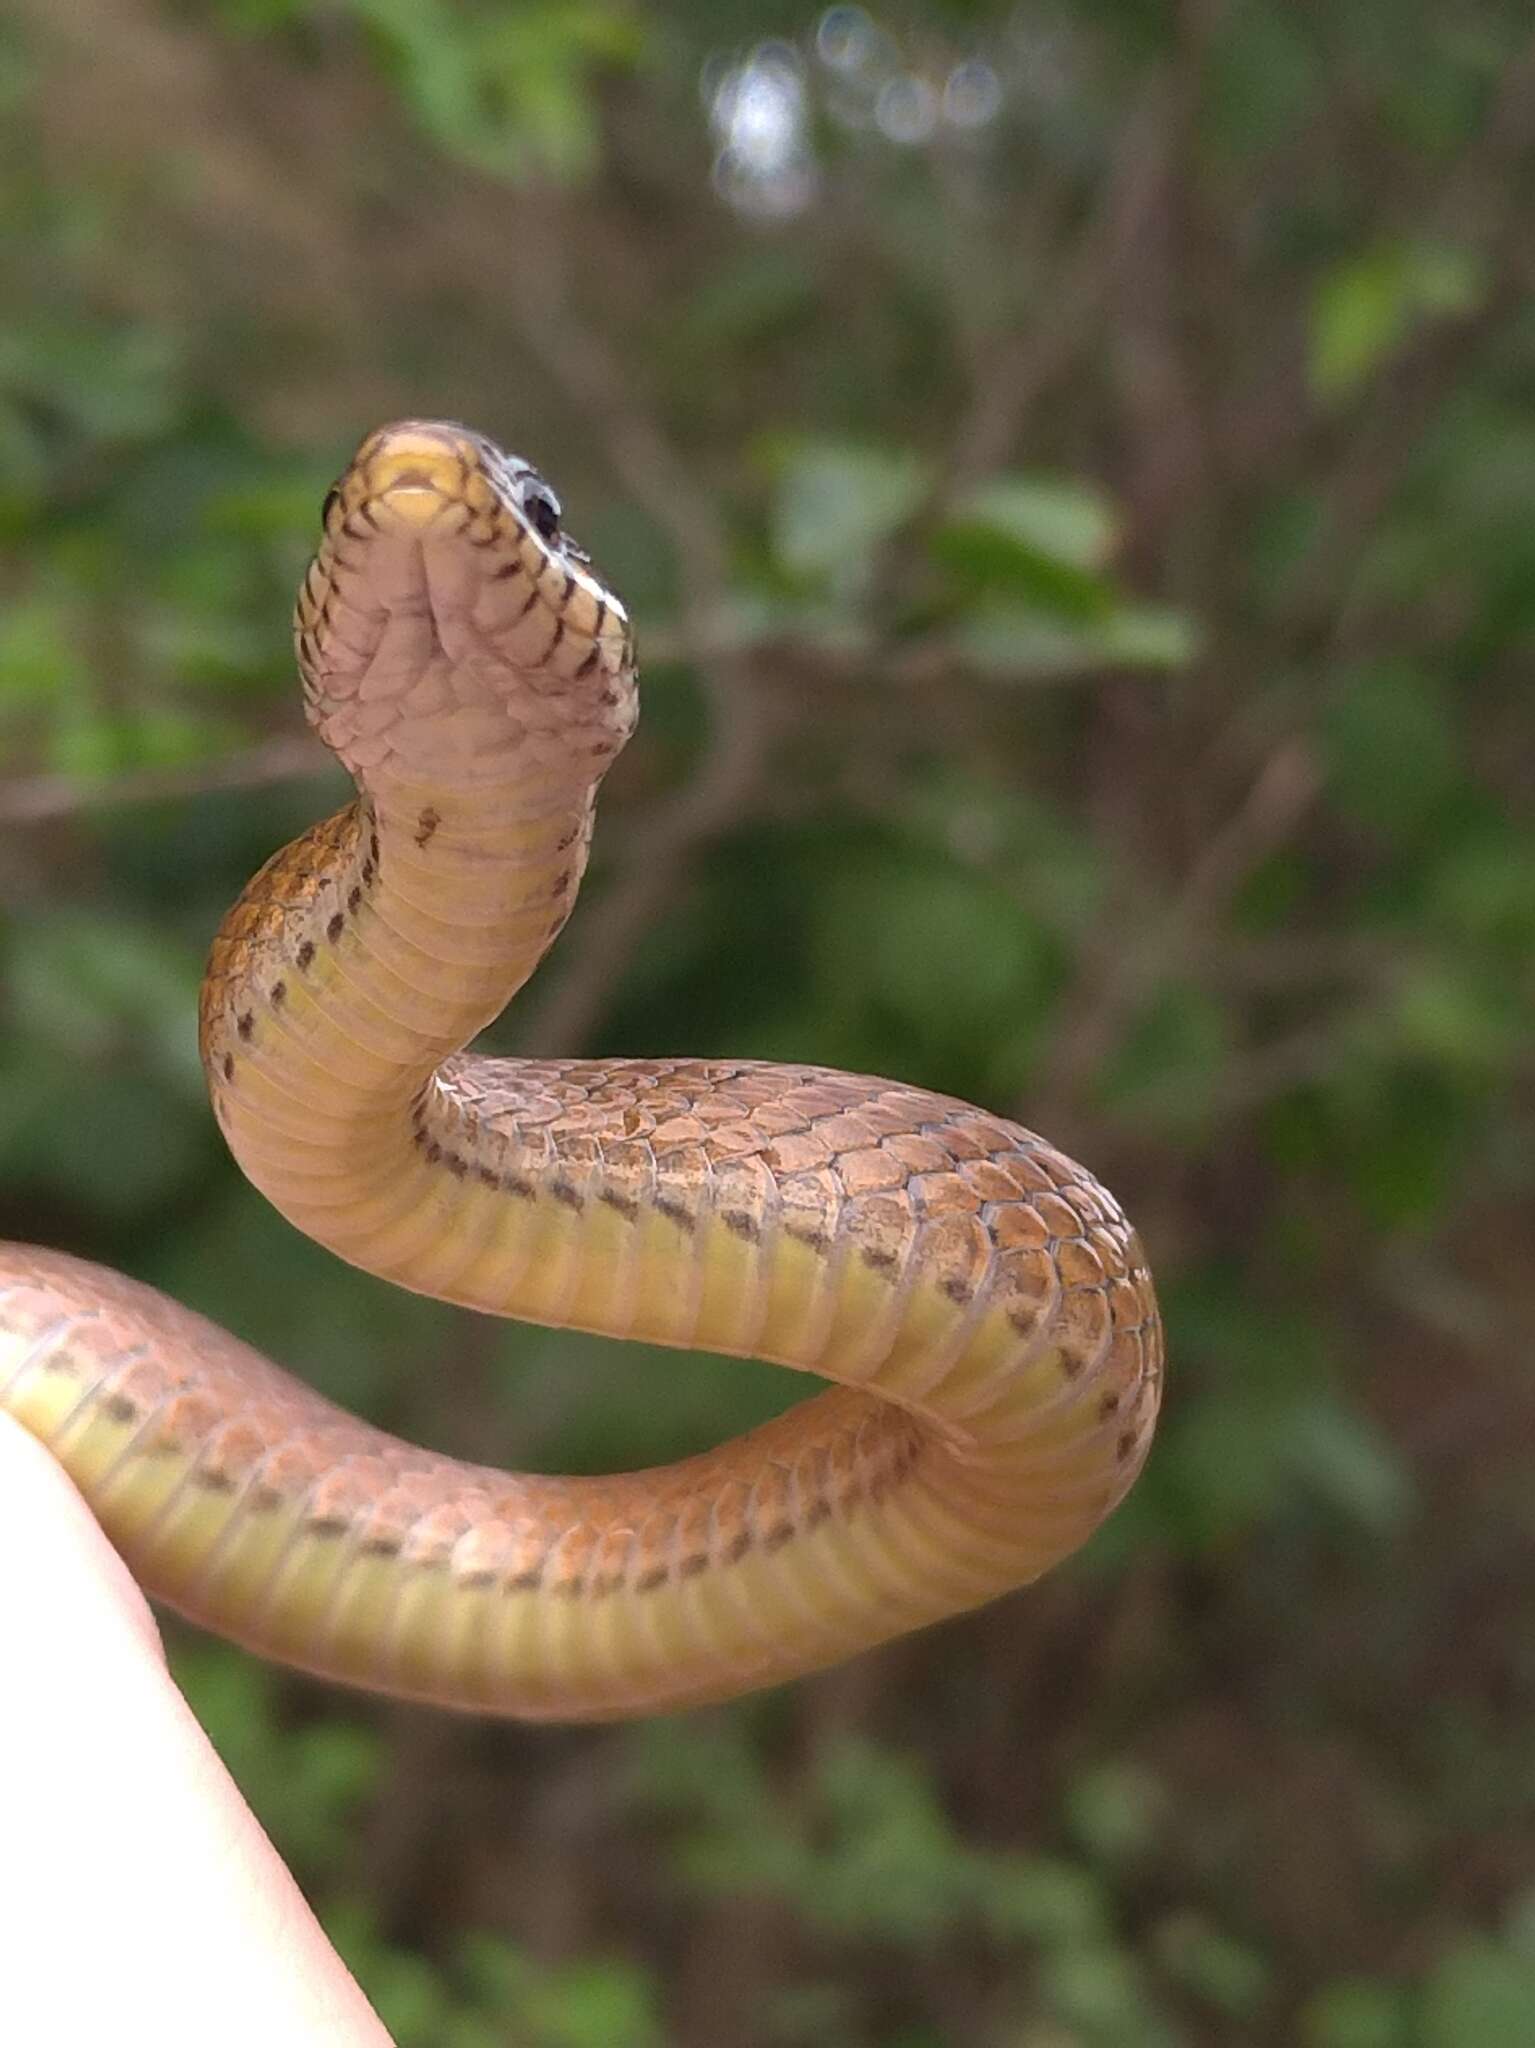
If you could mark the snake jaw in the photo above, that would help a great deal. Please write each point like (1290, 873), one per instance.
(439, 622)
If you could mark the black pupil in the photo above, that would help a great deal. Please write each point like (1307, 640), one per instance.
(544, 513)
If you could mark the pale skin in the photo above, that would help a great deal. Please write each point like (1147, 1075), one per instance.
(136, 1886)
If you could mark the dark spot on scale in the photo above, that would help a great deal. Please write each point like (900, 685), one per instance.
(1125, 1445)
(118, 1408)
(957, 1290)
(563, 1191)
(676, 1212)
(697, 1561)
(564, 1589)
(353, 900)
(368, 872)
(648, 1581)
(426, 825)
(1108, 1406)
(608, 697)
(229, 1066)
(587, 663)
(561, 882)
(818, 1512)
(245, 1024)
(305, 954)
(475, 1582)
(456, 1165)
(738, 1546)
(335, 928)
(279, 994)
(776, 1537)
(881, 1261)
(380, 1546)
(626, 1205)
(433, 1153)
(515, 1184)
(326, 1525)
(1023, 1320)
(741, 1223)
(1070, 1366)
(212, 1480)
(373, 848)
(817, 1240)
(488, 1175)
(418, 1136)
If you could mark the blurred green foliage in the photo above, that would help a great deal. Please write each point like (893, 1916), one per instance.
(1074, 468)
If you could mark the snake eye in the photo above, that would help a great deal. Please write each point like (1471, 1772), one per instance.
(540, 507)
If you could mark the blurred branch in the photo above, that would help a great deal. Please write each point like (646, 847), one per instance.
(1484, 203)
(578, 359)
(34, 799)
(1010, 365)
(1137, 953)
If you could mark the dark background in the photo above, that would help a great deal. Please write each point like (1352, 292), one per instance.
(1074, 470)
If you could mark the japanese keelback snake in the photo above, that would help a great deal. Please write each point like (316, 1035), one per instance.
(981, 1302)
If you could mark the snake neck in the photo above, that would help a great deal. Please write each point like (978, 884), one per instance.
(364, 954)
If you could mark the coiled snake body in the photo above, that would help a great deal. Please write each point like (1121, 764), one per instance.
(980, 1300)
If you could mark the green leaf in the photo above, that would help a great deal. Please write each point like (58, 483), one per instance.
(1368, 306)
(1357, 2012)
(1167, 1066)
(1116, 1811)
(1014, 639)
(833, 504)
(1392, 745)
(38, 661)
(1060, 518)
(1345, 1459)
(1047, 1901)
(1041, 539)
(985, 559)
(1479, 1995)
(1217, 1969)
(1149, 636)
(109, 382)
(1100, 1990)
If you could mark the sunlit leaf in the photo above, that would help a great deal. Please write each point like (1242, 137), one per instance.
(1061, 518)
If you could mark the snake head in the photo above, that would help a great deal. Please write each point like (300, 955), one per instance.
(450, 632)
